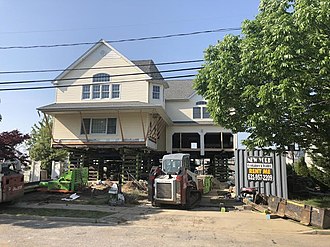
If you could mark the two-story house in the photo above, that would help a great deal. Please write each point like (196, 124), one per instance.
(110, 111)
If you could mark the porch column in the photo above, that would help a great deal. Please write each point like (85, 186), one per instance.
(201, 140)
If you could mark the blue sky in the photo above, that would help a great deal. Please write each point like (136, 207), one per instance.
(38, 22)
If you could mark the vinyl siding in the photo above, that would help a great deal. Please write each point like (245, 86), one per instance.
(67, 126)
(183, 110)
(104, 57)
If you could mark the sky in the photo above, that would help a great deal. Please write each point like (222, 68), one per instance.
(40, 22)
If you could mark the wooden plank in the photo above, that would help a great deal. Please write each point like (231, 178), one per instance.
(144, 133)
(121, 127)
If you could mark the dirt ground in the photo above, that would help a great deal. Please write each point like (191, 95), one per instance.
(143, 225)
(133, 196)
(147, 226)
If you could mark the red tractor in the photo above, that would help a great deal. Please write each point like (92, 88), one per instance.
(174, 183)
(11, 181)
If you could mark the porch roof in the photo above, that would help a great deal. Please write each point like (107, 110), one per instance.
(104, 106)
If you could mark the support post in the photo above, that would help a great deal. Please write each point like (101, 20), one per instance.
(84, 127)
(121, 127)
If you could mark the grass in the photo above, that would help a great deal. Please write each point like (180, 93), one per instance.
(321, 202)
(316, 201)
(54, 212)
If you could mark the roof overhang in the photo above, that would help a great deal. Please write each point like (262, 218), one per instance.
(66, 108)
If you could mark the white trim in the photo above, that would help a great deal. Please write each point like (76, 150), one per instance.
(90, 51)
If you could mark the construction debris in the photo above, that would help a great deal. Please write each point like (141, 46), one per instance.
(71, 197)
(135, 185)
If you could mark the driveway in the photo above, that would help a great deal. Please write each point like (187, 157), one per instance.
(147, 226)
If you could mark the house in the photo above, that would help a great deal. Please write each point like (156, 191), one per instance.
(114, 113)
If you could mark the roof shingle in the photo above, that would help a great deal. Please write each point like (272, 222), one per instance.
(179, 89)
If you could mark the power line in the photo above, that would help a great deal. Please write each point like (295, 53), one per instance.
(90, 77)
(96, 68)
(79, 85)
(124, 40)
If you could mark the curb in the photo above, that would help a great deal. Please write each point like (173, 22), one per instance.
(316, 231)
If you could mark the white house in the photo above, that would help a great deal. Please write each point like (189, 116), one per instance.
(108, 108)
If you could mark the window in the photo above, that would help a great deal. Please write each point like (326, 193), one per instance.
(96, 92)
(105, 91)
(206, 114)
(101, 77)
(86, 92)
(156, 92)
(200, 110)
(100, 87)
(99, 126)
(196, 112)
(201, 103)
(115, 94)
(111, 126)
(85, 125)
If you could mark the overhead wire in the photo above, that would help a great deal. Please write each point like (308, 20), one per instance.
(90, 77)
(122, 40)
(96, 68)
(79, 85)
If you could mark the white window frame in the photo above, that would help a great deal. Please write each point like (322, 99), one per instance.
(202, 105)
(96, 94)
(115, 91)
(155, 92)
(93, 120)
(105, 92)
(99, 80)
(86, 92)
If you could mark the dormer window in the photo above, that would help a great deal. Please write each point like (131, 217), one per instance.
(200, 110)
(155, 92)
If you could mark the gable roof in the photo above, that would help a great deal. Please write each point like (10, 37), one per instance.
(179, 90)
(90, 51)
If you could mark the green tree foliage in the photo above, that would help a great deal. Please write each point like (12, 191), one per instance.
(273, 80)
(301, 168)
(320, 170)
(40, 145)
(9, 141)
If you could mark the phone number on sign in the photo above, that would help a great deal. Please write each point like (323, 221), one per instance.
(260, 177)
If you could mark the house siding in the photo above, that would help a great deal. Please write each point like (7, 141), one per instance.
(104, 57)
(183, 110)
(68, 126)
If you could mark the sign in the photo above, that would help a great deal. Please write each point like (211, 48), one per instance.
(193, 145)
(259, 168)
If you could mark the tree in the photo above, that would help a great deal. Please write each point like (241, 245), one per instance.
(9, 141)
(273, 80)
(40, 145)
